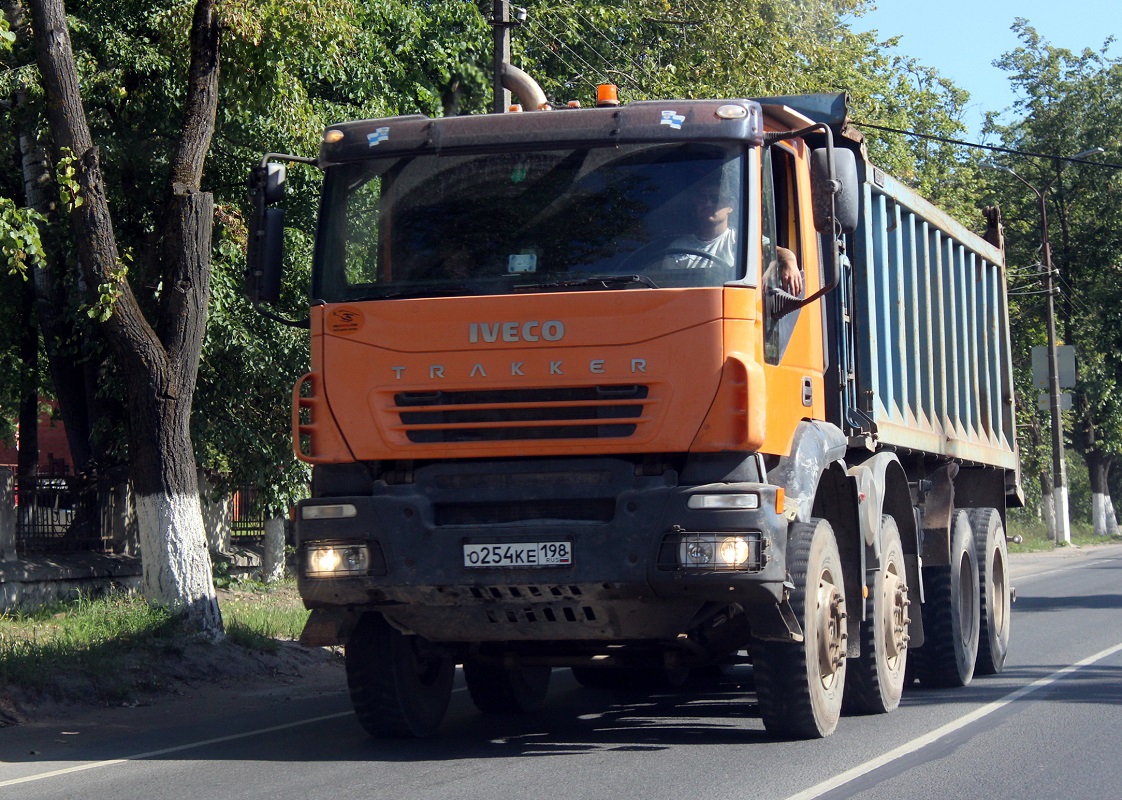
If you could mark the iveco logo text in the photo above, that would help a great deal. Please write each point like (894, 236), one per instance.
(551, 330)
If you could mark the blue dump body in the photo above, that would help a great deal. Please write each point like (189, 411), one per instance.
(920, 323)
(928, 341)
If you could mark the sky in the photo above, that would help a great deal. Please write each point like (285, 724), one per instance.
(962, 38)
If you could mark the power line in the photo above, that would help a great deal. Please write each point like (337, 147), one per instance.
(991, 147)
(577, 74)
(617, 48)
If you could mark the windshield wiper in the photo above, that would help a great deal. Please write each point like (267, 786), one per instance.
(589, 282)
(421, 291)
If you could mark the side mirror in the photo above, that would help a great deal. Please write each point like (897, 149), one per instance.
(843, 190)
(265, 247)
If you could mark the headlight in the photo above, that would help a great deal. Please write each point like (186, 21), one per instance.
(336, 560)
(720, 551)
(711, 501)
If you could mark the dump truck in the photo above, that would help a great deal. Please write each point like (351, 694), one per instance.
(550, 426)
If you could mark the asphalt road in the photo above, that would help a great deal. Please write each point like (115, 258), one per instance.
(1046, 728)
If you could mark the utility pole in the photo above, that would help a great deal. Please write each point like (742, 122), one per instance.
(1061, 533)
(500, 22)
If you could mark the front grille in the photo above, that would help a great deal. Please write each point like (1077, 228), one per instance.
(535, 605)
(579, 412)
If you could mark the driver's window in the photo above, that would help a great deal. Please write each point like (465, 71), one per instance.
(782, 282)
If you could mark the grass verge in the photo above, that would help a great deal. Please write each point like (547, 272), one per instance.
(117, 646)
(1034, 536)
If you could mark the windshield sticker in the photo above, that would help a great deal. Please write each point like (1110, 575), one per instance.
(673, 119)
(522, 262)
(380, 135)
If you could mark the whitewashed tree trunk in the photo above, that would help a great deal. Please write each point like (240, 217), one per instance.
(176, 560)
(158, 357)
(1048, 508)
(273, 567)
(1098, 514)
(217, 516)
(1111, 517)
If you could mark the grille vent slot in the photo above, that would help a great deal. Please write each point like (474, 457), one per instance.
(576, 412)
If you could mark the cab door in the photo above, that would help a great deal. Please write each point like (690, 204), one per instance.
(793, 340)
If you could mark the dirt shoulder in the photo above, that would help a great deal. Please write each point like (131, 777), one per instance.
(197, 670)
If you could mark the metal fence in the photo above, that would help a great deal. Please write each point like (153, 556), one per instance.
(247, 517)
(60, 514)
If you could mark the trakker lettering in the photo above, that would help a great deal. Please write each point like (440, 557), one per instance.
(597, 366)
(551, 330)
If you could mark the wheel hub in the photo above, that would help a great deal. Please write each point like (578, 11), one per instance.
(832, 632)
(895, 601)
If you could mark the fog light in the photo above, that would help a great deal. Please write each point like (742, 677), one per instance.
(720, 551)
(734, 551)
(696, 552)
(326, 561)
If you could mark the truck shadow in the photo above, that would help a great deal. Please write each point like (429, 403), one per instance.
(1091, 601)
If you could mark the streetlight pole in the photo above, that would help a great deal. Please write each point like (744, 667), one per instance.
(1062, 524)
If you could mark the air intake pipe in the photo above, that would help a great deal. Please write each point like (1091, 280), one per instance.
(525, 88)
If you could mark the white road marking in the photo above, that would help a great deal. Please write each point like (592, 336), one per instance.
(177, 749)
(910, 747)
(153, 753)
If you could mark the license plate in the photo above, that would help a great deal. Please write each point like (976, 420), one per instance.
(518, 554)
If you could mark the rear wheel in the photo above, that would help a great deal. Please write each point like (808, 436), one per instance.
(400, 685)
(500, 690)
(800, 685)
(993, 578)
(875, 680)
(950, 613)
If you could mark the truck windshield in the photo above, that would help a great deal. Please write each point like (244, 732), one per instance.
(631, 217)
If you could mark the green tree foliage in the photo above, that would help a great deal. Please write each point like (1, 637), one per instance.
(758, 48)
(1068, 103)
(291, 67)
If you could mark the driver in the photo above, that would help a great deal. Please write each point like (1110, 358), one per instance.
(712, 207)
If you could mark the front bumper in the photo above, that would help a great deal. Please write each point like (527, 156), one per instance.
(624, 581)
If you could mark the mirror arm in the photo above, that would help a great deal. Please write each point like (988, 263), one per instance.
(305, 323)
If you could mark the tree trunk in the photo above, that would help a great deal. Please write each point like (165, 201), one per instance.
(272, 563)
(159, 363)
(28, 456)
(1102, 509)
(72, 375)
(1047, 504)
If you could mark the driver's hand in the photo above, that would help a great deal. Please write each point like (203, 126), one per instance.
(790, 276)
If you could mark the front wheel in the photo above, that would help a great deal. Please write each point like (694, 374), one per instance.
(800, 685)
(875, 681)
(400, 685)
(950, 613)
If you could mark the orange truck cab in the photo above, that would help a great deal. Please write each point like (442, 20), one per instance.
(590, 388)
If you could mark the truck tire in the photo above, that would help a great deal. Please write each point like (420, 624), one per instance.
(994, 612)
(800, 685)
(400, 687)
(496, 689)
(875, 680)
(950, 613)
